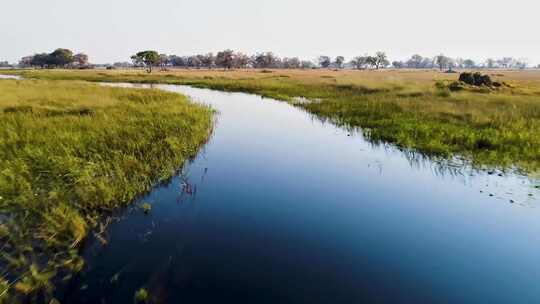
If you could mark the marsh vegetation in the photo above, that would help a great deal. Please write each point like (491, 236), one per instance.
(71, 153)
(414, 110)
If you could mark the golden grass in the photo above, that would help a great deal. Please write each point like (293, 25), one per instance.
(411, 108)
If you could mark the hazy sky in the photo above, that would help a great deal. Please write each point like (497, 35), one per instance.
(112, 30)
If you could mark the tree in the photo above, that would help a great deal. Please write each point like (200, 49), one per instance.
(339, 62)
(490, 63)
(427, 63)
(26, 61)
(306, 64)
(505, 62)
(381, 60)
(291, 63)
(177, 61)
(194, 62)
(442, 61)
(61, 57)
(469, 64)
(265, 60)
(147, 59)
(225, 59)
(208, 60)
(360, 62)
(80, 59)
(41, 60)
(163, 61)
(241, 60)
(398, 64)
(324, 61)
(415, 62)
(521, 63)
(371, 61)
(459, 63)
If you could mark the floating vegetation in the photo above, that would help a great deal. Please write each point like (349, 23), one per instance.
(141, 296)
(146, 207)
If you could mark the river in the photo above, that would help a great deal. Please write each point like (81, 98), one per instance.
(280, 207)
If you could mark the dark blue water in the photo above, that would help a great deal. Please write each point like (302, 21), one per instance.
(282, 208)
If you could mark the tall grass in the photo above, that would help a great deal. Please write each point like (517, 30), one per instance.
(496, 128)
(71, 152)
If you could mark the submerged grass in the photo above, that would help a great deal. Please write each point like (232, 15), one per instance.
(411, 109)
(71, 152)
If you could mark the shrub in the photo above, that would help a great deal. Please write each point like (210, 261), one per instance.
(475, 79)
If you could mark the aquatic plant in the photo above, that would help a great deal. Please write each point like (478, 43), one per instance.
(146, 207)
(72, 152)
(141, 296)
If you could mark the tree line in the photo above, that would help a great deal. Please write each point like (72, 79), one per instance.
(58, 58)
(444, 62)
(229, 59)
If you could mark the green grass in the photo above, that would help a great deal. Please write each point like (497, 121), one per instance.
(72, 152)
(409, 109)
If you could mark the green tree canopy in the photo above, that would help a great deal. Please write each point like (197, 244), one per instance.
(147, 59)
(61, 57)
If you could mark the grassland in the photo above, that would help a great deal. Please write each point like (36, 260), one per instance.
(70, 153)
(411, 109)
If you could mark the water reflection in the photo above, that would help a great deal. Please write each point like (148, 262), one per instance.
(2, 76)
(281, 208)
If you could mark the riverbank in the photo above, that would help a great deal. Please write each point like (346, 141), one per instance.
(72, 152)
(411, 109)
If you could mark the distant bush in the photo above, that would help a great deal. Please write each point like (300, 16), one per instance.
(456, 86)
(475, 79)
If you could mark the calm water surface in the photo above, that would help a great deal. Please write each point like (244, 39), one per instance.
(282, 208)
(9, 77)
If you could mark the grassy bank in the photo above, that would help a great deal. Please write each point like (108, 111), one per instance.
(411, 109)
(70, 153)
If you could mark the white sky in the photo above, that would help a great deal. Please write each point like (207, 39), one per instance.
(112, 30)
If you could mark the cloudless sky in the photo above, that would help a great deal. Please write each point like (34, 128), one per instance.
(112, 30)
